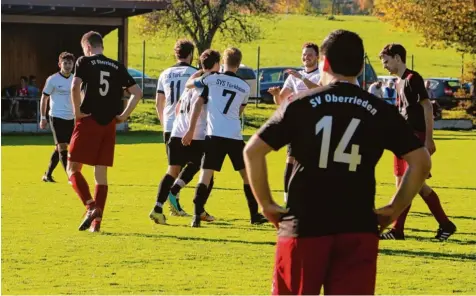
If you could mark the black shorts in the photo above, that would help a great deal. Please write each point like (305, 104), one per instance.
(62, 129)
(180, 155)
(216, 148)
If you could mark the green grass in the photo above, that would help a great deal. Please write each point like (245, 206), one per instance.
(282, 40)
(43, 253)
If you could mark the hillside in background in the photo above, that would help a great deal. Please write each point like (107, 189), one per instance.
(282, 39)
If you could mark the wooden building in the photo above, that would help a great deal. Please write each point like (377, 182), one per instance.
(35, 32)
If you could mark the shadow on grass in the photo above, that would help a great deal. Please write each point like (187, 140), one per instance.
(433, 186)
(188, 238)
(424, 214)
(122, 138)
(433, 231)
(451, 240)
(429, 255)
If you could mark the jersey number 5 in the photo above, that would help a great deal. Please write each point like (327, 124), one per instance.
(353, 158)
(230, 100)
(104, 83)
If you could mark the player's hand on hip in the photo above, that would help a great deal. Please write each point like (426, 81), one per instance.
(187, 138)
(43, 123)
(81, 115)
(386, 216)
(120, 118)
(294, 73)
(273, 213)
(430, 145)
(274, 90)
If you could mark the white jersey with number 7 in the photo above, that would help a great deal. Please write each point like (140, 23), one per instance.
(226, 94)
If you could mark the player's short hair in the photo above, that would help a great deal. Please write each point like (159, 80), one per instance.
(394, 49)
(311, 45)
(66, 56)
(344, 51)
(183, 48)
(209, 58)
(232, 57)
(92, 38)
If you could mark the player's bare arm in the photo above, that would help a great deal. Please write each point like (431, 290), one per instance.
(159, 106)
(76, 98)
(196, 109)
(279, 95)
(428, 113)
(191, 81)
(309, 84)
(43, 106)
(136, 95)
(255, 159)
(242, 109)
(419, 165)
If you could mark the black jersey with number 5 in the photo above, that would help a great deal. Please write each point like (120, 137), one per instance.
(337, 134)
(104, 81)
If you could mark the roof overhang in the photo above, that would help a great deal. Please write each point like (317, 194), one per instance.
(81, 8)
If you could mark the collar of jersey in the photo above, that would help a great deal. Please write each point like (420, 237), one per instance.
(230, 73)
(59, 72)
(317, 69)
(180, 64)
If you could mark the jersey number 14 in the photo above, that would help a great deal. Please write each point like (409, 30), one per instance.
(353, 158)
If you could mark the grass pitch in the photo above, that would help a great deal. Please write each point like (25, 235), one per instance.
(44, 253)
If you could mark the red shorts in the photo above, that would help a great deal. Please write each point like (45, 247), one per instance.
(399, 165)
(343, 263)
(92, 143)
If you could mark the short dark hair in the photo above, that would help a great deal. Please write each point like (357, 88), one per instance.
(311, 45)
(394, 49)
(344, 51)
(232, 57)
(31, 77)
(183, 48)
(24, 78)
(92, 38)
(66, 56)
(209, 58)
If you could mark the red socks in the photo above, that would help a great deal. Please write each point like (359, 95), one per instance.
(80, 185)
(100, 195)
(433, 202)
(399, 225)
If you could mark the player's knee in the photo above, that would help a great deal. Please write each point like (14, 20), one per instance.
(62, 147)
(206, 176)
(425, 190)
(100, 175)
(173, 170)
(72, 168)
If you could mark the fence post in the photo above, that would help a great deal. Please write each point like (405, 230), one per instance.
(364, 82)
(143, 67)
(257, 77)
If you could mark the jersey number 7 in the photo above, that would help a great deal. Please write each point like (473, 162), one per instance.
(353, 158)
(230, 100)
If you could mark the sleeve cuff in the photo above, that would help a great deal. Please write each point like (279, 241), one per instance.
(159, 91)
(46, 94)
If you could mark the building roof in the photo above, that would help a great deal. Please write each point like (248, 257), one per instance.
(103, 8)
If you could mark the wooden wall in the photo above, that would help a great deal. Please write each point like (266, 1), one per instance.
(33, 49)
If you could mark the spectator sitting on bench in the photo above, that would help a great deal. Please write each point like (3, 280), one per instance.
(33, 90)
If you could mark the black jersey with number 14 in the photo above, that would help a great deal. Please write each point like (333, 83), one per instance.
(337, 135)
(104, 81)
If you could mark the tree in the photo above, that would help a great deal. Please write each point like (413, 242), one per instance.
(448, 23)
(202, 19)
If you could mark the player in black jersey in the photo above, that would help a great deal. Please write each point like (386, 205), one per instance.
(328, 233)
(102, 81)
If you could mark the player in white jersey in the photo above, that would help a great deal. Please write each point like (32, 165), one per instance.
(298, 81)
(57, 93)
(225, 101)
(171, 85)
(180, 155)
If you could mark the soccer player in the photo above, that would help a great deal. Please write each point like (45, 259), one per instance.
(178, 154)
(297, 82)
(226, 96)
(414, 105)
(170, 86)
(328, 233)
(102, 81)
(57, 92)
